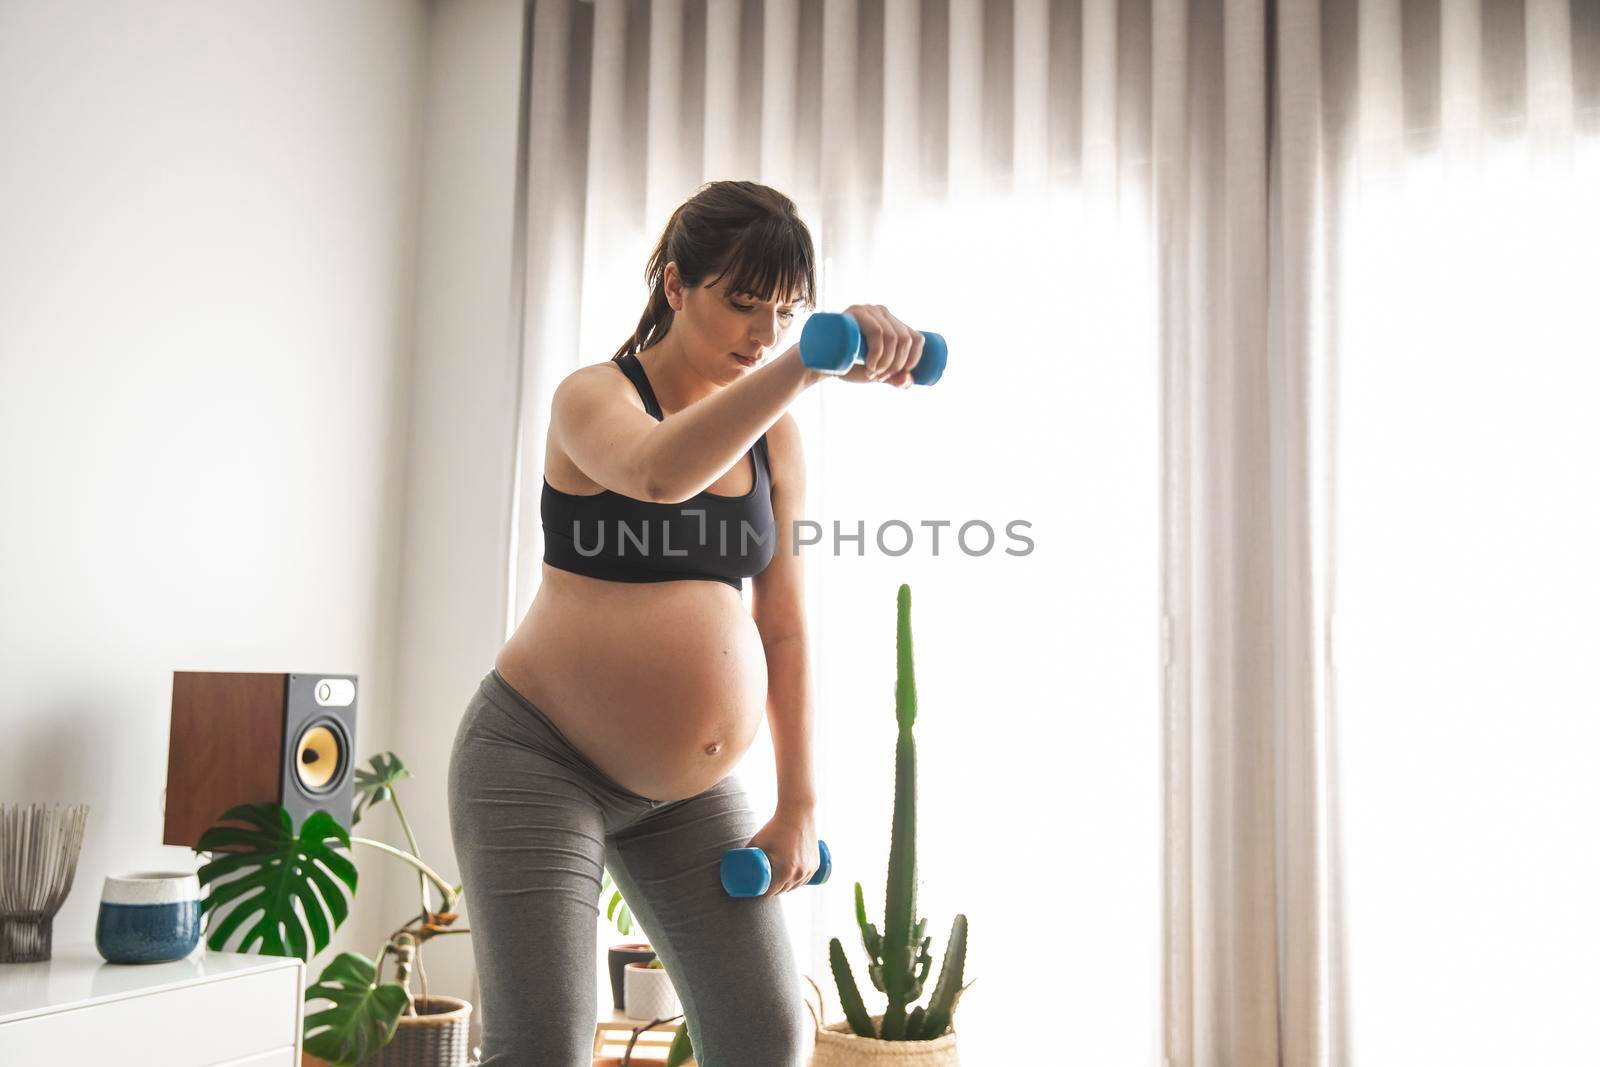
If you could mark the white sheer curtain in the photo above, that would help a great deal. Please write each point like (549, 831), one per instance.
(1200, 262)
(1239, 177)
(1465, 527)
(1373, 220)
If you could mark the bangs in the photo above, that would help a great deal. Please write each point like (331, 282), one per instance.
(771, 260)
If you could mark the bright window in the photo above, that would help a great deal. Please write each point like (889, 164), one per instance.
(1038, 674)
(1467, 567)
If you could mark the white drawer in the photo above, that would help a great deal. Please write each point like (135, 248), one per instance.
(217, 1022)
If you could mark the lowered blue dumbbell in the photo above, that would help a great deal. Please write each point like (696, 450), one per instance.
(832, 342)
(747, 873)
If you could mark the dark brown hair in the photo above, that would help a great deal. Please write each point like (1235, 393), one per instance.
(750, 232)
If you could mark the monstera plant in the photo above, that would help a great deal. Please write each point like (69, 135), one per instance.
(274, 877)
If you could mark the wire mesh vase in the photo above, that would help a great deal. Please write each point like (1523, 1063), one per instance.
(38, 856)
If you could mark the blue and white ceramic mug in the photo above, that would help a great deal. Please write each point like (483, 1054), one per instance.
(148, 917)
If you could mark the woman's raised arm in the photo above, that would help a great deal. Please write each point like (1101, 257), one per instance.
(629, 452)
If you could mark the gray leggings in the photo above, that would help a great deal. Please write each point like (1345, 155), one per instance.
(533, 820)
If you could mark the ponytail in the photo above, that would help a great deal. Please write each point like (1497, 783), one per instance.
(657, 317)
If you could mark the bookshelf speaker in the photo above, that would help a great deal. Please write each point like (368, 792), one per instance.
(239, 738)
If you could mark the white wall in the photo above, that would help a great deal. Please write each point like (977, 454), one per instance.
(207, 247)
(462, 441)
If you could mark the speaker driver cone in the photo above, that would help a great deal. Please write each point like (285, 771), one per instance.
(319, 756)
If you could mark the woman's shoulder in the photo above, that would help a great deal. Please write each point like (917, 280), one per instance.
(591, 387)
(606, 371)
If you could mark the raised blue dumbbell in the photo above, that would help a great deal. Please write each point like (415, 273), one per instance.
(747, 873)
(832, 342)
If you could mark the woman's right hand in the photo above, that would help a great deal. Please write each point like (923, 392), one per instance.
(893, 348)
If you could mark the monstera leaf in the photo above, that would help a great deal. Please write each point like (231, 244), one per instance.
(364, 1014)
(617, 908)
(273, 869)
(375, 786)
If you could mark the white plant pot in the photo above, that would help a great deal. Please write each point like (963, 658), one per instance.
(647, 993)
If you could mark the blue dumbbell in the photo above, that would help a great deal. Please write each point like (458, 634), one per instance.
(747, 873)
(832, 342)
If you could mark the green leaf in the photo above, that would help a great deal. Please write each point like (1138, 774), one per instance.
(617, 908)
(274, 869)
(377, 785)
(364, 1014)
(681, 1049)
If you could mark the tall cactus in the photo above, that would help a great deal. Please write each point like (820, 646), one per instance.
(898, 959)
(900, 978)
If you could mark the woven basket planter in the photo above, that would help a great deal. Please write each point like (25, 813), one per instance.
(435, 1037)
(839, 1046)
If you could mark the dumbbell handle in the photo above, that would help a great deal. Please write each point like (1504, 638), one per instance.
(832, 342)
(746, 872)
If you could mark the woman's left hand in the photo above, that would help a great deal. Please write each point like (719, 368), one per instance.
(790, 842)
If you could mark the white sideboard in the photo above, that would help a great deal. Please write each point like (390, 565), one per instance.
(213, 1009)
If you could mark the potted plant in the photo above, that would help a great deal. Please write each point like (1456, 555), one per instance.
(898, 959)
(620, 955)
(649, 992)
(264, 868)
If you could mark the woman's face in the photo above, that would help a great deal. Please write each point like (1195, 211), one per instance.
(718, 325)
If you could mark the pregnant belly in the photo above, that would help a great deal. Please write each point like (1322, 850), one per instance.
(661, 685)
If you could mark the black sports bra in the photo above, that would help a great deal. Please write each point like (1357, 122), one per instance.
(710, 537)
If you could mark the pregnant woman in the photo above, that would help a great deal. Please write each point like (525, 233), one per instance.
(606, 731)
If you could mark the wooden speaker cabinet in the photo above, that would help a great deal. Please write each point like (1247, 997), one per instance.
(238, 738)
